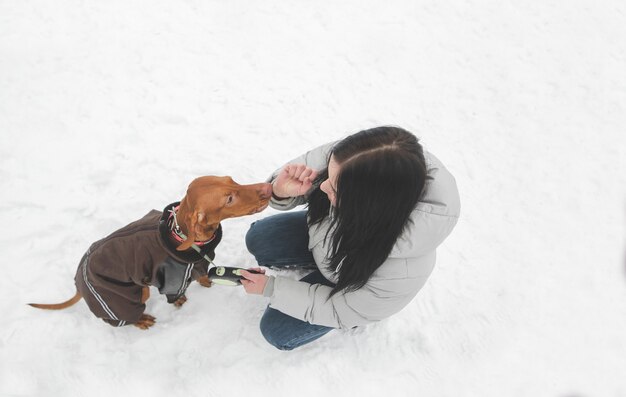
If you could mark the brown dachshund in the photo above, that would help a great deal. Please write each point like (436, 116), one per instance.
(164, 249)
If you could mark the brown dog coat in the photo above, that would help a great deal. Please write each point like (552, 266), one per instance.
(113, 270)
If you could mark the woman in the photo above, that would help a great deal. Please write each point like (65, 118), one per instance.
(378, 206)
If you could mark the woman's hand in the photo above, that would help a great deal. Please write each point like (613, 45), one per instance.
(254, 283)
(294, 180)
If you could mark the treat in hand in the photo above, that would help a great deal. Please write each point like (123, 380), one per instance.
(293, 180)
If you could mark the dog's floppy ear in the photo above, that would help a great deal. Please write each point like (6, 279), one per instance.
(190, 222)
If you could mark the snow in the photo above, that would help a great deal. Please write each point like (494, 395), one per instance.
(109, 109)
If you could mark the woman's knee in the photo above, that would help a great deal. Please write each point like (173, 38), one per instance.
(280, 239)
(252, 238)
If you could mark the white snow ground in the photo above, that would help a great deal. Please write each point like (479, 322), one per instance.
(110, 108)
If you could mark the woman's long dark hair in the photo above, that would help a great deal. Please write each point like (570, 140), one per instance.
(381, 177)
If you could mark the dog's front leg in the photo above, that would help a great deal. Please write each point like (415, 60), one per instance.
(180, 301)
(204, 281)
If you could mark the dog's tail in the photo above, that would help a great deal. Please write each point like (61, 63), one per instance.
(58, 306)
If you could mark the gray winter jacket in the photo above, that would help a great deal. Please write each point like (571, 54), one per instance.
(396, 282)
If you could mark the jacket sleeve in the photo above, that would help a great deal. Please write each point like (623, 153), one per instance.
(375, 301)
(317, 159)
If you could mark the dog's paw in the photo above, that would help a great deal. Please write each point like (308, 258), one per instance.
(180, 301)
(204, 281)
(145, 321)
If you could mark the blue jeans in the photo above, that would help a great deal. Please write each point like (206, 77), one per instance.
(283, 241)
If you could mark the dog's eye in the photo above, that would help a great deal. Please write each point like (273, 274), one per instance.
(229, 200)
